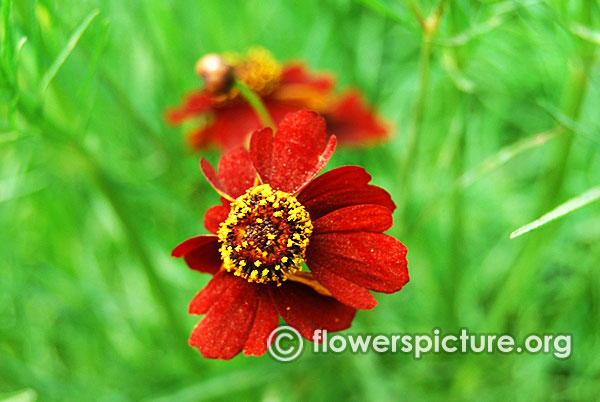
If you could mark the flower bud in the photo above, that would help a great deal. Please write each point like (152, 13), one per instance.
(217, 74)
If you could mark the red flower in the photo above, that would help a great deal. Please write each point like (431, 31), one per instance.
(229, 120)
(274, 216)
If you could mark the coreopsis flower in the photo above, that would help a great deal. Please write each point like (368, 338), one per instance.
(274, 218)
(227, 120)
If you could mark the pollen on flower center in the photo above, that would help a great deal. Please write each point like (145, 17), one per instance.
(258, 70)
(264, 238)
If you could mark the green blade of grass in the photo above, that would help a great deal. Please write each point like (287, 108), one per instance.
(67, 50)
(19, 47)
(21, 186)
(585, 33)
(220, 386)
(95, 57)
(505, 155)
(489, 165)
(383, 9)
(570, 124)
(26, 395)
(477, 30)
(573, 204)
(460, 80)
(5, 29)
(504, 10)
(9, 136)
(6, 40)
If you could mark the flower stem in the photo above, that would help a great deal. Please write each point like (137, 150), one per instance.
(256, 103)
(417, 12)
(429, 28)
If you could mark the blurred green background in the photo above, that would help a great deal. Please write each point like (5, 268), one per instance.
(95, 191)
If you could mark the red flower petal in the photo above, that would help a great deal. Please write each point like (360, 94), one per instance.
(300, 151)
(218, 291)
(306, 310)
(233, 125)
(297, 73)
(208, 296)
(224, 330)
(194, 104)
(199, 138)
(339, 188)
(299, 89)
(201, 253)
(261, 152)
(279, 109)
(352, 121)
(372, 260)
(356, 218)
(236, 173)
(215, 215)
(265, 322)
(191, 244)
(342, 289)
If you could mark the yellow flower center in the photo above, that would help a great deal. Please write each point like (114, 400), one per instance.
(258, 70)
(265, 236)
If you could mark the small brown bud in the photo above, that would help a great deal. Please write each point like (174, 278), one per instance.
(217, 74)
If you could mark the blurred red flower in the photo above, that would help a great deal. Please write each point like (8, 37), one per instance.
(274, 217)
(229, 120)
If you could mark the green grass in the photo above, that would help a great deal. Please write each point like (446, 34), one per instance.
(95, 191)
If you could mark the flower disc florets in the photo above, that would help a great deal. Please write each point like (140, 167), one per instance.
(264, 238)
(257, 70)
